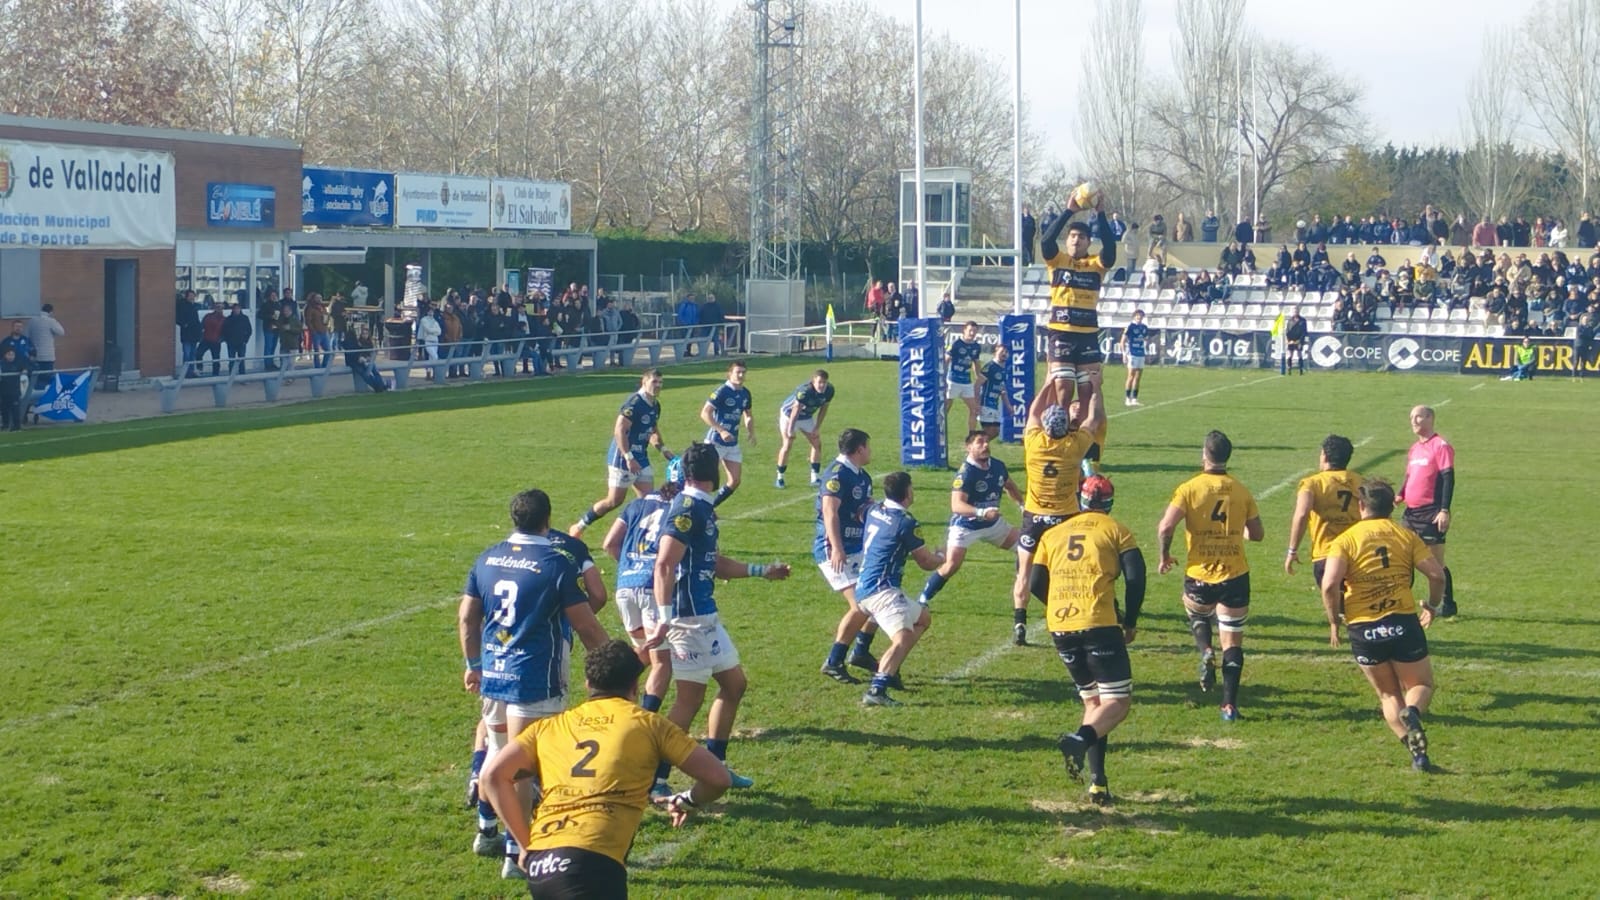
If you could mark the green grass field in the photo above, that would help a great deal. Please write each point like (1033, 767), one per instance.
(230, 662)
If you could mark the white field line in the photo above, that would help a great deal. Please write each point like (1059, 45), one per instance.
(213, 668)
(1478, 385)
(981, 661)
(1295, 478)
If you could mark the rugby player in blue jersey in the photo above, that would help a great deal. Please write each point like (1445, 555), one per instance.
(523, 599)
(803, 413)
(687, 566)
(892, 534)
(993, 399)
(724, 411)
(628, 456)
(960, 360)
(842, 503)
(974, 511)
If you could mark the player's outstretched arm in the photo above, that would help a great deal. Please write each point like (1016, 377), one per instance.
(1108, 239)
(711, 780)
(928, 558)
(1042, 401)
(729, 569)
(1048, 248)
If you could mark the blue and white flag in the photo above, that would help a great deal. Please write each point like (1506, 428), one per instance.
(921, 393)
(66, 399)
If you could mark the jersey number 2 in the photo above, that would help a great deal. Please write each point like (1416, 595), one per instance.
(579, 768)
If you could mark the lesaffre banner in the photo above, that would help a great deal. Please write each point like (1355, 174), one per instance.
(63, 196)
(531, 205)
(921, 393)
(441, 201)
(346, 197)
(1018, 332)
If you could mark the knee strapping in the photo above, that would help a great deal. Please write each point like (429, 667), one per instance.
(1232, 622)
(1084, 379)
(1062, 371)
(1200, 624)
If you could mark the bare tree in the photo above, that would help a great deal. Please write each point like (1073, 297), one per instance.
(315, 65)
(236, 51)
(1563, 92)
(1309, 113)
(1193, 126)
(1493, 177)
(1110, 114)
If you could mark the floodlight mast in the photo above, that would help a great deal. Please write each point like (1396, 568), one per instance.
(775, 180)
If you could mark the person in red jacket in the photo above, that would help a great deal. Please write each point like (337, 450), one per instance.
(211, 336)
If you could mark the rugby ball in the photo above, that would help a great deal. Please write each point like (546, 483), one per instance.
(1084, 196)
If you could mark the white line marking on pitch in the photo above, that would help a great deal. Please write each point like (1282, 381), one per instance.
(213, 668)
(1478, 385)
(1295, 478)
(978, 663)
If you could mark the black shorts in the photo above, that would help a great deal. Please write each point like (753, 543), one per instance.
(1074, 348)
(1097, 660)
(1420, 520)
(1233, 593)
(1034, 525)
(1396, 637)
(1318, 566)
(571, 873)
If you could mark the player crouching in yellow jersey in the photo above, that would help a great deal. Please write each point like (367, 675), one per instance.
(1074, 573)
(596, 762)
(1368, 581)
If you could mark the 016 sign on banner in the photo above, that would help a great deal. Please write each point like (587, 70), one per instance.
(63, 196)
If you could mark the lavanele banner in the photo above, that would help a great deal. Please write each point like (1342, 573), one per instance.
(230, 205)
(63, 196)
(346, 197)
(441, 201)
(1018, 333)
(921, 393)
(531, 205)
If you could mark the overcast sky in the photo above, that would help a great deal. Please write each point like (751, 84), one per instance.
(1412, 58)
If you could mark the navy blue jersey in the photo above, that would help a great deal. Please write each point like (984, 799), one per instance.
(693, 520)
(572, 548)
(1136, 333)
(641, 539)
(525, 584)
(983, 487)
(853, 487)
(994, 385)
(963, 355)
(892, 535)
(728, 406)
(809, 399)
(642, 414)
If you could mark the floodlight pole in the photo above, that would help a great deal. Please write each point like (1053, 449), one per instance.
(1016, 161)
(922, 228)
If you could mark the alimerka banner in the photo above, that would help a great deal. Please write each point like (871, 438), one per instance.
(56, 196)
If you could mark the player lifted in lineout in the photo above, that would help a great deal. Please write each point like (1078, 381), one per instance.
(1073, 350)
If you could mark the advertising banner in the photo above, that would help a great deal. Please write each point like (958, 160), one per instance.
(231, 205)
(1374, 352)
(532, 205)
(441, 201)
(543, 281)
(921, 393)
(55, 196)
(1496, 356)
(1018, 333)
(346, 197)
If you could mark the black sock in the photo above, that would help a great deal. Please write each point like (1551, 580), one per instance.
(1232, 667)
(816, 468)
(723, 493)
(782, 469)
(1097, 761)
(1019, 616)
(1087, 734)
(1449, 587)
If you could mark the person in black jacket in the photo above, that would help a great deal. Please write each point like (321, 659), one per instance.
(1294, 343)
(188, 319)
(236, 331)
(358, 355)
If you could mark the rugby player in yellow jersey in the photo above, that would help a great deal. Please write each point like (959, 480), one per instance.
(596, 762)
(1327, 502)
(1074, 573)
(1073, 350)
(1368, 581)
(1218, 515)
(1052, 453)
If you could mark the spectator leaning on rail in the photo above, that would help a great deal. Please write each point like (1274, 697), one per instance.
(688, 315)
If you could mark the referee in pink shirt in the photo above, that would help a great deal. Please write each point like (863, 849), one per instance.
(1429, 483)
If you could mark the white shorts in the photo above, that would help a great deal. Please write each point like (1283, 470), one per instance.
(495, 711)
(700, 648)
(616, 477)
(994, 533)
(809, 426)
(846, 579)
(1135, 362)
(989, 416)
(734, 454)
(638, 608)
(957, 391)
(893, 610)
